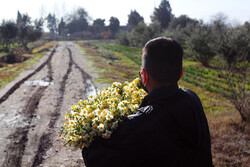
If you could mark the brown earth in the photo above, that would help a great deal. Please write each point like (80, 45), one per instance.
(32, 109)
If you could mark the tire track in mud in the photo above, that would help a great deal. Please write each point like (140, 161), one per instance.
(15, 150)
(45, 140)
(19, 83)
(19, 138)
(86, 79)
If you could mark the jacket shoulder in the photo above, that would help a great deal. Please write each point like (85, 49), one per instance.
(141, 112)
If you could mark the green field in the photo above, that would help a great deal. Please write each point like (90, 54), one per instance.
(114, 63)
(194, 73)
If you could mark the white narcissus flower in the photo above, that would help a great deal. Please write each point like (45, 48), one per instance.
(107, 125)
(86, 125)
(94, 127)
(93, 133)
(86, 137)
(99, 115)
(82, 132)
(114, 125)
(106, 134)
(109, 117)
(101, 127)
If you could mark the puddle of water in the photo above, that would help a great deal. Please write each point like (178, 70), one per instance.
(17, 120)
(13, 121)
(39, 83)
(35, 118)
(2, 116)
(90, 89)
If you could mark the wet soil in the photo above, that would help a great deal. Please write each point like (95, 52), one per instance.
(32, 109)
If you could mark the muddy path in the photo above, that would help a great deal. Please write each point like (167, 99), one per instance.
(32, 109)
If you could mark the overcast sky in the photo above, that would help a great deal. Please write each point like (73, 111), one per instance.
(236, 10)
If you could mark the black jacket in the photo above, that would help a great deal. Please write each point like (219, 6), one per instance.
(169, 130)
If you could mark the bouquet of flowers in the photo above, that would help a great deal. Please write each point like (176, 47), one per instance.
(100, 115)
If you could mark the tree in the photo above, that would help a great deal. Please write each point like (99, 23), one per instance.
(98, 25)
(229, 41)
(36, 30)
(24, 26)
(52, 24)
(153, 30)
(8, 31)
(163, 14)
(134, 18)
(114, 24)
(237, 80)
(137, 37)
(105, 34)
(181, 22)
(61, 27)
(235, 51)
(26, 31)
(140, 34)
(123, 38)
(82, 14)
(78, 21)
(200, 41)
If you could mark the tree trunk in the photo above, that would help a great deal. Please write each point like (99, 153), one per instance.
(25, 46)
(245, 115)
(204, 61)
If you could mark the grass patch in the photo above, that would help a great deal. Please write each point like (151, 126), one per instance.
(44, 47)
(10, 71)
(3, 53)
(132, 53)
(207, 78)
(110, 65)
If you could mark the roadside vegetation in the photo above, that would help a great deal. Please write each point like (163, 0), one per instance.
(20, 46)
(9, 71)
(111, 66)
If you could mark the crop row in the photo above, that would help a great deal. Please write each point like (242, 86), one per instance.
(206, 78)
(205, 73)
(133, 54)
(210, 80)
(206, 83)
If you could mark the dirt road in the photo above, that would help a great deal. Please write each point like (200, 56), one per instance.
(32, 109)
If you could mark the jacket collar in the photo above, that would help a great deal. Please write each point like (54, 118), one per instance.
(159, 94)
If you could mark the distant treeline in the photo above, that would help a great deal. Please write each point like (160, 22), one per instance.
(22, 31)
(201, 40)
(77, 26)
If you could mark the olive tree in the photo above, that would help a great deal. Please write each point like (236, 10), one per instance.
(199, 40)
(8, 31)
(27, 32)
(235, 51)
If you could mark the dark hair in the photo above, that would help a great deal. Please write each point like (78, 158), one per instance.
(163, 59)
